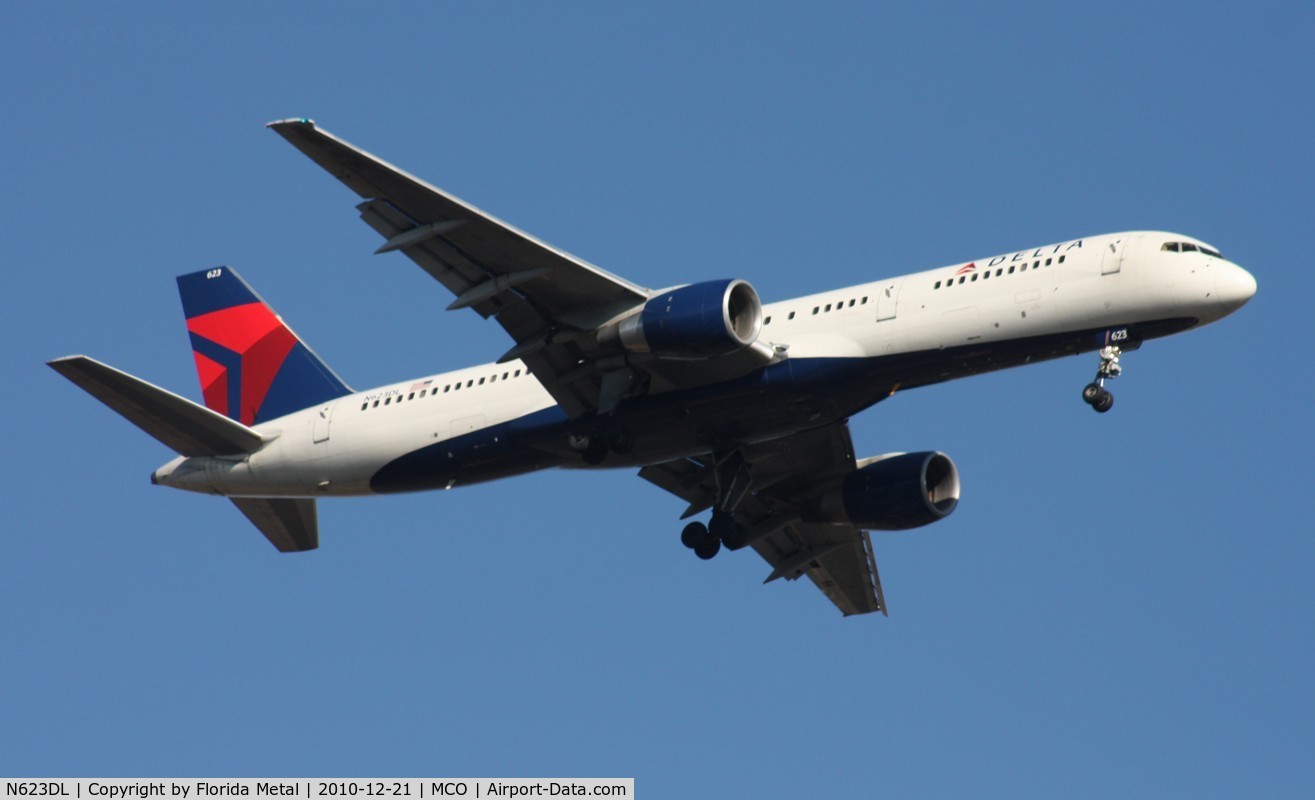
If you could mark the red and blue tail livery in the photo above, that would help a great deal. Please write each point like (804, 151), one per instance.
(252, 367)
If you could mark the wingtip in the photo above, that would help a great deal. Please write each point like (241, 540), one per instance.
(291, 121)
(56, 363)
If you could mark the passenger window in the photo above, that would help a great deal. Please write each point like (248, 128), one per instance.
(962, 278)
(791, 316)
(863, 302)
(815, 310)
(1011, 269)
(376, 404)
(516, 374)
(504, 375)
(364, 406)
(470, 383)
(851, 302)
(986, 274)
(481, 381)
(937, 286)
(1061, 259)
(387, 400)
(456, 388)
(974, 277)
(411, 396)
(767, 321)
(1048, 260)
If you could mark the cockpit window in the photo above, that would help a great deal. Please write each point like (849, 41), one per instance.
(1189, 247)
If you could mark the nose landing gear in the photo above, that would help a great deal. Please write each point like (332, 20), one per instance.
(1095, 394)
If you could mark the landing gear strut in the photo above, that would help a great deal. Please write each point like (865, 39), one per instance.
(1095, 394)
(725, 528)
(733, 483)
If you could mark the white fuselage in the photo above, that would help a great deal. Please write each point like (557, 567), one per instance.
(986, 314)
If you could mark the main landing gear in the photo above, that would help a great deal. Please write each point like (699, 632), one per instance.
(605, 437)
(733, 483)
(698, 538)
(1095, 394)
(706, 540)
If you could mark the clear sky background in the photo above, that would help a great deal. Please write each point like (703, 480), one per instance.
(1122, 606)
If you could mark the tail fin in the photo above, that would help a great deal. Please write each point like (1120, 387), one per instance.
(252, 367)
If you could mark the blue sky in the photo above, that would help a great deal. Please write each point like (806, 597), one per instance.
(1121, 606)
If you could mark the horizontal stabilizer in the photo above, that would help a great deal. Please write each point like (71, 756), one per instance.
(291, 525)
(185, 427)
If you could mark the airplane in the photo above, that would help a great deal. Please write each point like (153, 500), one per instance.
(737, 407)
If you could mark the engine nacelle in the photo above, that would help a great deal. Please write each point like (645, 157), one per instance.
(891, 493)
(702, 320)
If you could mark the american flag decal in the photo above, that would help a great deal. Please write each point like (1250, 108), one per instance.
(966, 268)
(415, 387)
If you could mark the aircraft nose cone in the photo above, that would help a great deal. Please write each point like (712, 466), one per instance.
(1234, 286)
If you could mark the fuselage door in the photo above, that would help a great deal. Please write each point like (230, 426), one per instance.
(320, 428)
(887, 300)
(1111, 259)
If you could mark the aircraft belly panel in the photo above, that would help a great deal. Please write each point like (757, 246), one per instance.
(784, 398)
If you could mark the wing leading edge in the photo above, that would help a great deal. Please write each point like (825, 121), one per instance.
(549, 301)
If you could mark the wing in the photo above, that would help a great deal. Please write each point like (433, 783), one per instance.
(782, 475)
(838, 559)
(548, 300)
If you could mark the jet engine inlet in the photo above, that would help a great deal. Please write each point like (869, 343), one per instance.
(894, 492)
(702, 320)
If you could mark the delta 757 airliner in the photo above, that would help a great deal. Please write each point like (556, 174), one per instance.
(735, 407)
